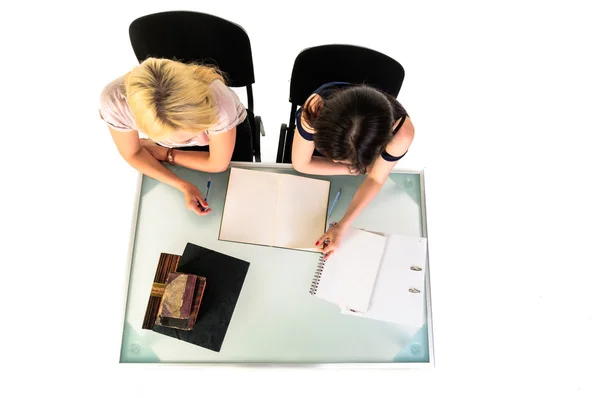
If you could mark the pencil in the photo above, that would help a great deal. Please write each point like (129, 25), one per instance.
(334, 202)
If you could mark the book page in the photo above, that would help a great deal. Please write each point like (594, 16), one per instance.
(392, 301)
(301, 212)
(250, 207)
(349, 274)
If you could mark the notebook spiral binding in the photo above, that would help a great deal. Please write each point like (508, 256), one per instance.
(317, 277)
(314, 286)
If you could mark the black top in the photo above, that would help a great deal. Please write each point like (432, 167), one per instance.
(324, 91)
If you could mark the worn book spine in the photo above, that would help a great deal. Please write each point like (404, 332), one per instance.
(188, 296)
(198, 293)
(167, 263)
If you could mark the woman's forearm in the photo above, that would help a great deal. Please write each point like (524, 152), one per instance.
(146, 164)
(200, 161)
(363, 196)
(323, 166)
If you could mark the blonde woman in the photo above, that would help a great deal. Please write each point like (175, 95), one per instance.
(188, 114)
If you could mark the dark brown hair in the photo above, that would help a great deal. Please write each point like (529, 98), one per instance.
(353, 124)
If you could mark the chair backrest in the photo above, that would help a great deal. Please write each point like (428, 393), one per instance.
(195, 37)
(336, 62)
(189, 36)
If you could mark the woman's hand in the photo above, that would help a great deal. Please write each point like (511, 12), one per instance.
(331, 239)
(194, 200)
(158, 152)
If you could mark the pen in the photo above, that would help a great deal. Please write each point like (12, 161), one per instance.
(334, 202)
(207, 189)
(205, 197)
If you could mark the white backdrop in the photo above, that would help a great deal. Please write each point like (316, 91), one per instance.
(504, 98)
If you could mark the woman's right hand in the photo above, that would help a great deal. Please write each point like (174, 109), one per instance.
(331, 239)
(194, 200)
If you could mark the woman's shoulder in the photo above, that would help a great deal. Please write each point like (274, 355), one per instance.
(224, 95)
(230, 109)
(114, 108)
(313, 102)
(311, 105)
(403, 137)
(113, 90)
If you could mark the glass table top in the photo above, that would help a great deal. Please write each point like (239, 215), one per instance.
(275, 320)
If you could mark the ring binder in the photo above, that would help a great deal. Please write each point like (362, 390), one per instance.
(375, 276)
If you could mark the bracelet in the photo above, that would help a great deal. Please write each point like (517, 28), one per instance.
(170, 157)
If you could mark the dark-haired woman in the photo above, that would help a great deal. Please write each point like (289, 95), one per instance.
(344, 128)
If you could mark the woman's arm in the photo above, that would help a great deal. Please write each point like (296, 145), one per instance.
(364, 194)
(214, 161)
(304, 162)
(369, 188)
(128, 144)
(379, 173)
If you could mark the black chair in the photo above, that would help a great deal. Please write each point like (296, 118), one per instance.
(189, 36)
(335, 62)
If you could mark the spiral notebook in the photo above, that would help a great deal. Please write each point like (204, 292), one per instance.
(377, 276)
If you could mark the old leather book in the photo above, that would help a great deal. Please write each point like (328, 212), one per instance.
(181, 301)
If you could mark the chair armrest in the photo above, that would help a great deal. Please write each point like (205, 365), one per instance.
(282, 136)
(259, 130)
(259, 125)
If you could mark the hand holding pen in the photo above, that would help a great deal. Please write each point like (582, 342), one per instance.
(194, 200)
(331, 239)
(205, 208)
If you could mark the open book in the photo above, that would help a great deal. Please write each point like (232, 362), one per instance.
(273, 209)
(376, 276)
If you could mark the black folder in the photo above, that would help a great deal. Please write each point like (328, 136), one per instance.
(225, 277)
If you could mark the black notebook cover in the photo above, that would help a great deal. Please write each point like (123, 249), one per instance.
(225, 277)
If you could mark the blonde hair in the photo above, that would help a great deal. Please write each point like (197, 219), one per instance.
(166, 95)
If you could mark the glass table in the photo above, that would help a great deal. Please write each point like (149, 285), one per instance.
(276, 320)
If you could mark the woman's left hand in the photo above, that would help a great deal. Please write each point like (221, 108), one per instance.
(331, 239)
(157, 151)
